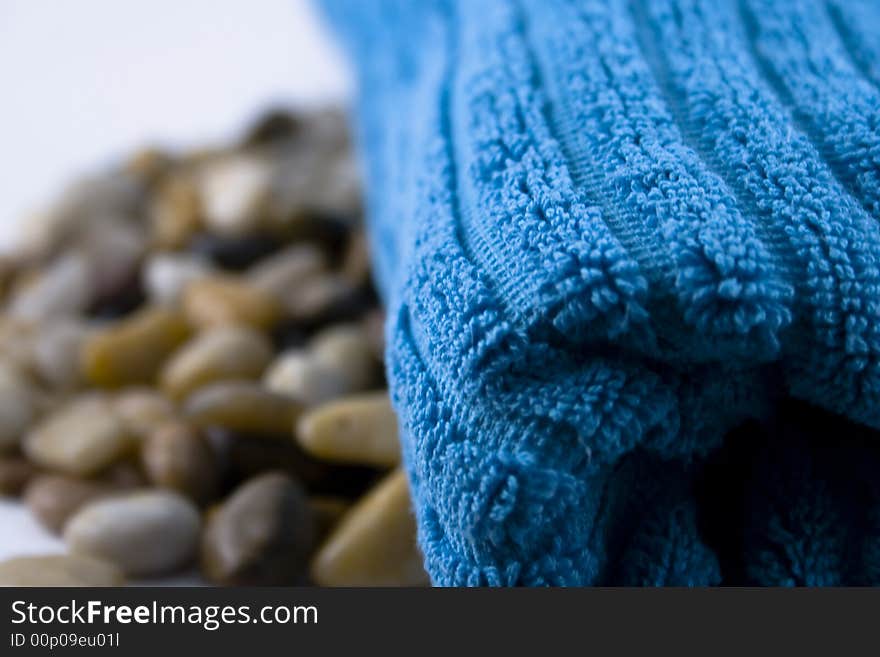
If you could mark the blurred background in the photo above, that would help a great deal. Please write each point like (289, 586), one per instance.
(88, 83)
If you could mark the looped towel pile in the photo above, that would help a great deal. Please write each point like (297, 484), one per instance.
(630, 251)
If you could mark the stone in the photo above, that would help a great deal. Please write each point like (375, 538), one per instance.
(142, 409)
(321, 299)
(176, 213)
(301, 376)
(234, 252)
(242, 406)
(177, 457)
(165, 275)
(233, 189)
(357, 429)
(284, 273)
(17, 406)
(64, 289)
(263, 534)
(375, 542)
(347, 348)
(53, 498)
(114, 248)
(143, 533)
(81, 438)
(132, 351)
(55, 353)
(226, 300)
(59, 570)
(15, 472)
(216, 354)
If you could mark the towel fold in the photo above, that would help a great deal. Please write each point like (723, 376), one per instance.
(609, 232)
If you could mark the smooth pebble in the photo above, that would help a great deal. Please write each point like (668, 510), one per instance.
(132, 351)
(59, 570)
(226, 300)
(301, 376)
(375, 542)
(81, 438)
(242, 406)
(143, 533)
(217, 354)
(177, 457)
(357, 429)
(261, 535)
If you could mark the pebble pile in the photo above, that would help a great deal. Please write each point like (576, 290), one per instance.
(190, 373)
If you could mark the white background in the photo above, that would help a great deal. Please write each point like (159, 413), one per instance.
(87, 81)
(84, 83)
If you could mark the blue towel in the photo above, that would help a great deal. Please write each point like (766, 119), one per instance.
(630, 253)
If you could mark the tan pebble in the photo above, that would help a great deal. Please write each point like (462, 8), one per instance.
(359, 429)
(262, 534)
(17, 406)
(59, 570)
(226, 300)
(283, 273)
(133, 351)
(177, 457)
(52, 498)
(220, 353)
(15, 472)
(301, 376)
(176, 213)
(143, 409)
(348, 349)
(242, 406)
(375, 542)
(143, 533)
(81, 438)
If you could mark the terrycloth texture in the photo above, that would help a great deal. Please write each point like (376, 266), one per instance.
(607, 233)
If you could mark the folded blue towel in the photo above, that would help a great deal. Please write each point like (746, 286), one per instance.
(608, 232)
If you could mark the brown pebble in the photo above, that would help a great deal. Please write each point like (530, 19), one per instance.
(261, 535)
(242, 406)
(177, 457)
(133, 351)
(375, 543)
(225, 300)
